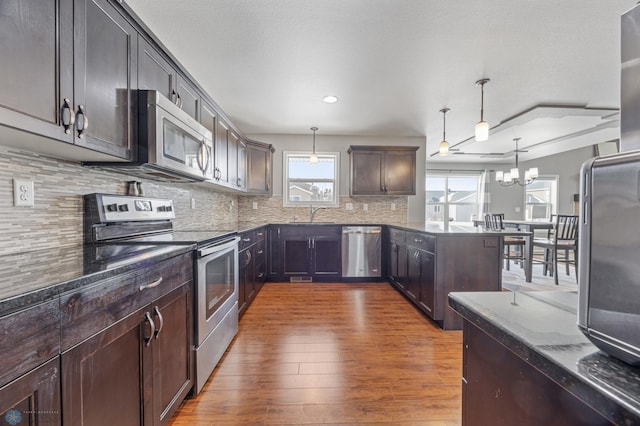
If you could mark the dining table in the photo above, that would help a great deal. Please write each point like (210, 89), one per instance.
(529, 226)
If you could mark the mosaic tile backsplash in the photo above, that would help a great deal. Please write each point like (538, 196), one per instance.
(56, 218)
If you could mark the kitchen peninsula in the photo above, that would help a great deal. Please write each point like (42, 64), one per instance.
(526, 362)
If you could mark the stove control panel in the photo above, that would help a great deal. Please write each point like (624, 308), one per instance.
(126, 208)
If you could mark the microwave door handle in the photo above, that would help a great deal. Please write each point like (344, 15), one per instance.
(203, 158)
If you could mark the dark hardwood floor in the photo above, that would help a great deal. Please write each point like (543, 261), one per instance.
(333, 353)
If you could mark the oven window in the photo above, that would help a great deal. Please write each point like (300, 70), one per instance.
(219, 281)
(181, 146)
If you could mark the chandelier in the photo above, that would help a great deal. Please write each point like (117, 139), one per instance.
(512, 177)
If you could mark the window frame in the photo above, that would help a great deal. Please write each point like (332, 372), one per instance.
(445, 206)
(553, 208)
(286, 202)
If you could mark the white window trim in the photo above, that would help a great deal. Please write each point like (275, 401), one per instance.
(285, 181)
(556, 195)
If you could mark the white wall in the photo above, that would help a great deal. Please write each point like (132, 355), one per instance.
(328, 143)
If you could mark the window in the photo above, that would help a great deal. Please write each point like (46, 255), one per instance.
(311, 184)
(453, 197)
(541, 198)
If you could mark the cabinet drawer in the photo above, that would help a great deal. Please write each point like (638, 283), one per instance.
(397, 235)
(422, 241)
(89, 310)
(30, 337)
(247, 239)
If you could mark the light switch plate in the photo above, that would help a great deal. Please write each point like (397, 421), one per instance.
(365, 207)
(255, 205)
(349, 206)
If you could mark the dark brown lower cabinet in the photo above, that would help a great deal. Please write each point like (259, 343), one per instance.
(34, 398)
(135, 372)
(305, 252)
(500, 388)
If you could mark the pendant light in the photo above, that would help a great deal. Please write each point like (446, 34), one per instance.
(482, 128)
(313, 158)
(444, 145)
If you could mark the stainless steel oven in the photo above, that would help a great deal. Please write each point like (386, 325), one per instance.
(117, 220)
(217, 305)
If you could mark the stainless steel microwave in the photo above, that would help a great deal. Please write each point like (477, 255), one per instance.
(609, 254)
(172, 145)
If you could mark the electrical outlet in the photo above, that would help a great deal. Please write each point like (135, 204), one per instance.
(22, 193)
(517, 209)
(349, 206)
(255, 205)
(365, 207)
(393, 206)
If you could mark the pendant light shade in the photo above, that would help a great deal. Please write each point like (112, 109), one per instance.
(482, 128)
(444, 145)
(313, 158)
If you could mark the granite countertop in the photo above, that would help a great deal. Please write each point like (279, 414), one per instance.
(34, 277)
(541, 329)
(453, 229)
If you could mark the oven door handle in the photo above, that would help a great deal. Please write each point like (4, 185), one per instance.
(218, 247)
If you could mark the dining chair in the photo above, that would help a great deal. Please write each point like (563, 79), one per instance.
(513, 246)
(561, 242)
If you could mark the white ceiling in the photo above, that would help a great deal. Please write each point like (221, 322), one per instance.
(395, 63)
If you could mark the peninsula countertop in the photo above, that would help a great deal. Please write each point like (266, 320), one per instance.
(541, 329)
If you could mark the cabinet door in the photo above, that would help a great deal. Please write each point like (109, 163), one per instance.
(296, 256)
(400, 173)
(367, 173)
(105, 74)
(258, 169)
(233, 147)
(172, 355)
(274, 253)
(189, 97)
(33, 399)
(403, 261)
(221, 152)
(413, 272)
(427, 283)
(154, 71)
(107, 379)
(326, 258)
(246, 287)
(208, 117)
(242, 165)
(34, 44)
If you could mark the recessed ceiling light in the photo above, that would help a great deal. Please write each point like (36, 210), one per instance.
(330, 99)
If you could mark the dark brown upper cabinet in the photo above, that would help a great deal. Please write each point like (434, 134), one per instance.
(259, 164)
(105, 67)
(70, 77)
(382, 170)
(155, 72)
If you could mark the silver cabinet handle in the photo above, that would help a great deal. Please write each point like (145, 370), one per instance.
(156, 283)
(248, 257)
(68, 117)
(179, 99)
(156, 334)
(260, 251)
(246, 240)
(82, 121)
(147, 318)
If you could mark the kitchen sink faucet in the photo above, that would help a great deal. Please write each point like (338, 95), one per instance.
(312, 212)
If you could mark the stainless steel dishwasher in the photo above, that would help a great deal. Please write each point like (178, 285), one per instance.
(361, 247)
